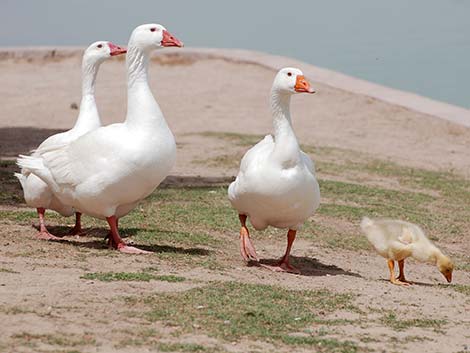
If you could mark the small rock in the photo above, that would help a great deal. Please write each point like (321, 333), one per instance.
(74, 106)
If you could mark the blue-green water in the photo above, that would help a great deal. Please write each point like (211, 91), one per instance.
(421, 46)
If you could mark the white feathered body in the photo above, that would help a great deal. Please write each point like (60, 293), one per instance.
(397, 240)
(36, 192)
(109, 170)
(273, 193)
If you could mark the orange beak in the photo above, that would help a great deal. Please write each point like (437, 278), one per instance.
(170, 41)
(302, 85)
(449, 277)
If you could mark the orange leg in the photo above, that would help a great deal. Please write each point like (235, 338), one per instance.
(247, 250)
(397, 281)
(77, 229)
(118, 243)
(43, 232)
(401, 276)
(284, 265)
(109, 237)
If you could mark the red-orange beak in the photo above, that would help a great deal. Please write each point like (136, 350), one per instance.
(448, 277)
(116, 50)
(302, 85)
(170, 41)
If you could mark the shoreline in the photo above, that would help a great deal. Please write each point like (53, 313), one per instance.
(405, 99)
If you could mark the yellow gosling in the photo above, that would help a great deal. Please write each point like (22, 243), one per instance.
(397, 240)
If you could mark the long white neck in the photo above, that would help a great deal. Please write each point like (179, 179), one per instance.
(286, 149)
(142, 109)
(88, 118)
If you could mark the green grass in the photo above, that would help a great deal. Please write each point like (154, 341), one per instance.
(390, 319)
(61, 340)
(188, 225)
(463, 266)
(183, 221)
(118, 276)
(461, 288)
(232, 311)
(130, 276)
(154, 340)
(170, 278)
(321, 344)
(183, 347)
(436, 200)
(7, 270)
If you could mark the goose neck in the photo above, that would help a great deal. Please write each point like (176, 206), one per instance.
(137, 60)
(90, 69)
(88, 117)
(280, 107)
(286, 149)
(143, 112)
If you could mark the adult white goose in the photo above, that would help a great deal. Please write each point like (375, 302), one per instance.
(36, 192)
(106, 172)
(276, 185)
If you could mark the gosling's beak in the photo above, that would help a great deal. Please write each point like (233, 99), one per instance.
(170, 41)
(302, 85)
(116, 50)
(448, 277)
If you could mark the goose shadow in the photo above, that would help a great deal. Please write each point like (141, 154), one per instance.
(309, 266)
(16, 140)
(97, 240)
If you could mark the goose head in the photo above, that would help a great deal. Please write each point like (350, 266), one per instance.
(291, 80)
(102, 50)
(153, 36)
(445, 266)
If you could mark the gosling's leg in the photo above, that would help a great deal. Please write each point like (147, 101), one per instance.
(401, 276)
(391, 267)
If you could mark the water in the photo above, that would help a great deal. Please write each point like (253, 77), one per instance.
(421, 46)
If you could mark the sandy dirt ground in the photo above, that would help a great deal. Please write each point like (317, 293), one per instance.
(41, 290)
(216, 95)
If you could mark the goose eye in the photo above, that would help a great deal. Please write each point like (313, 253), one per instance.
(153, 29)
(289, 74)
(100, 45)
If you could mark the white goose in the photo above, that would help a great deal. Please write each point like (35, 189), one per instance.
(276, 185)
(106, 172)
(36, 192)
